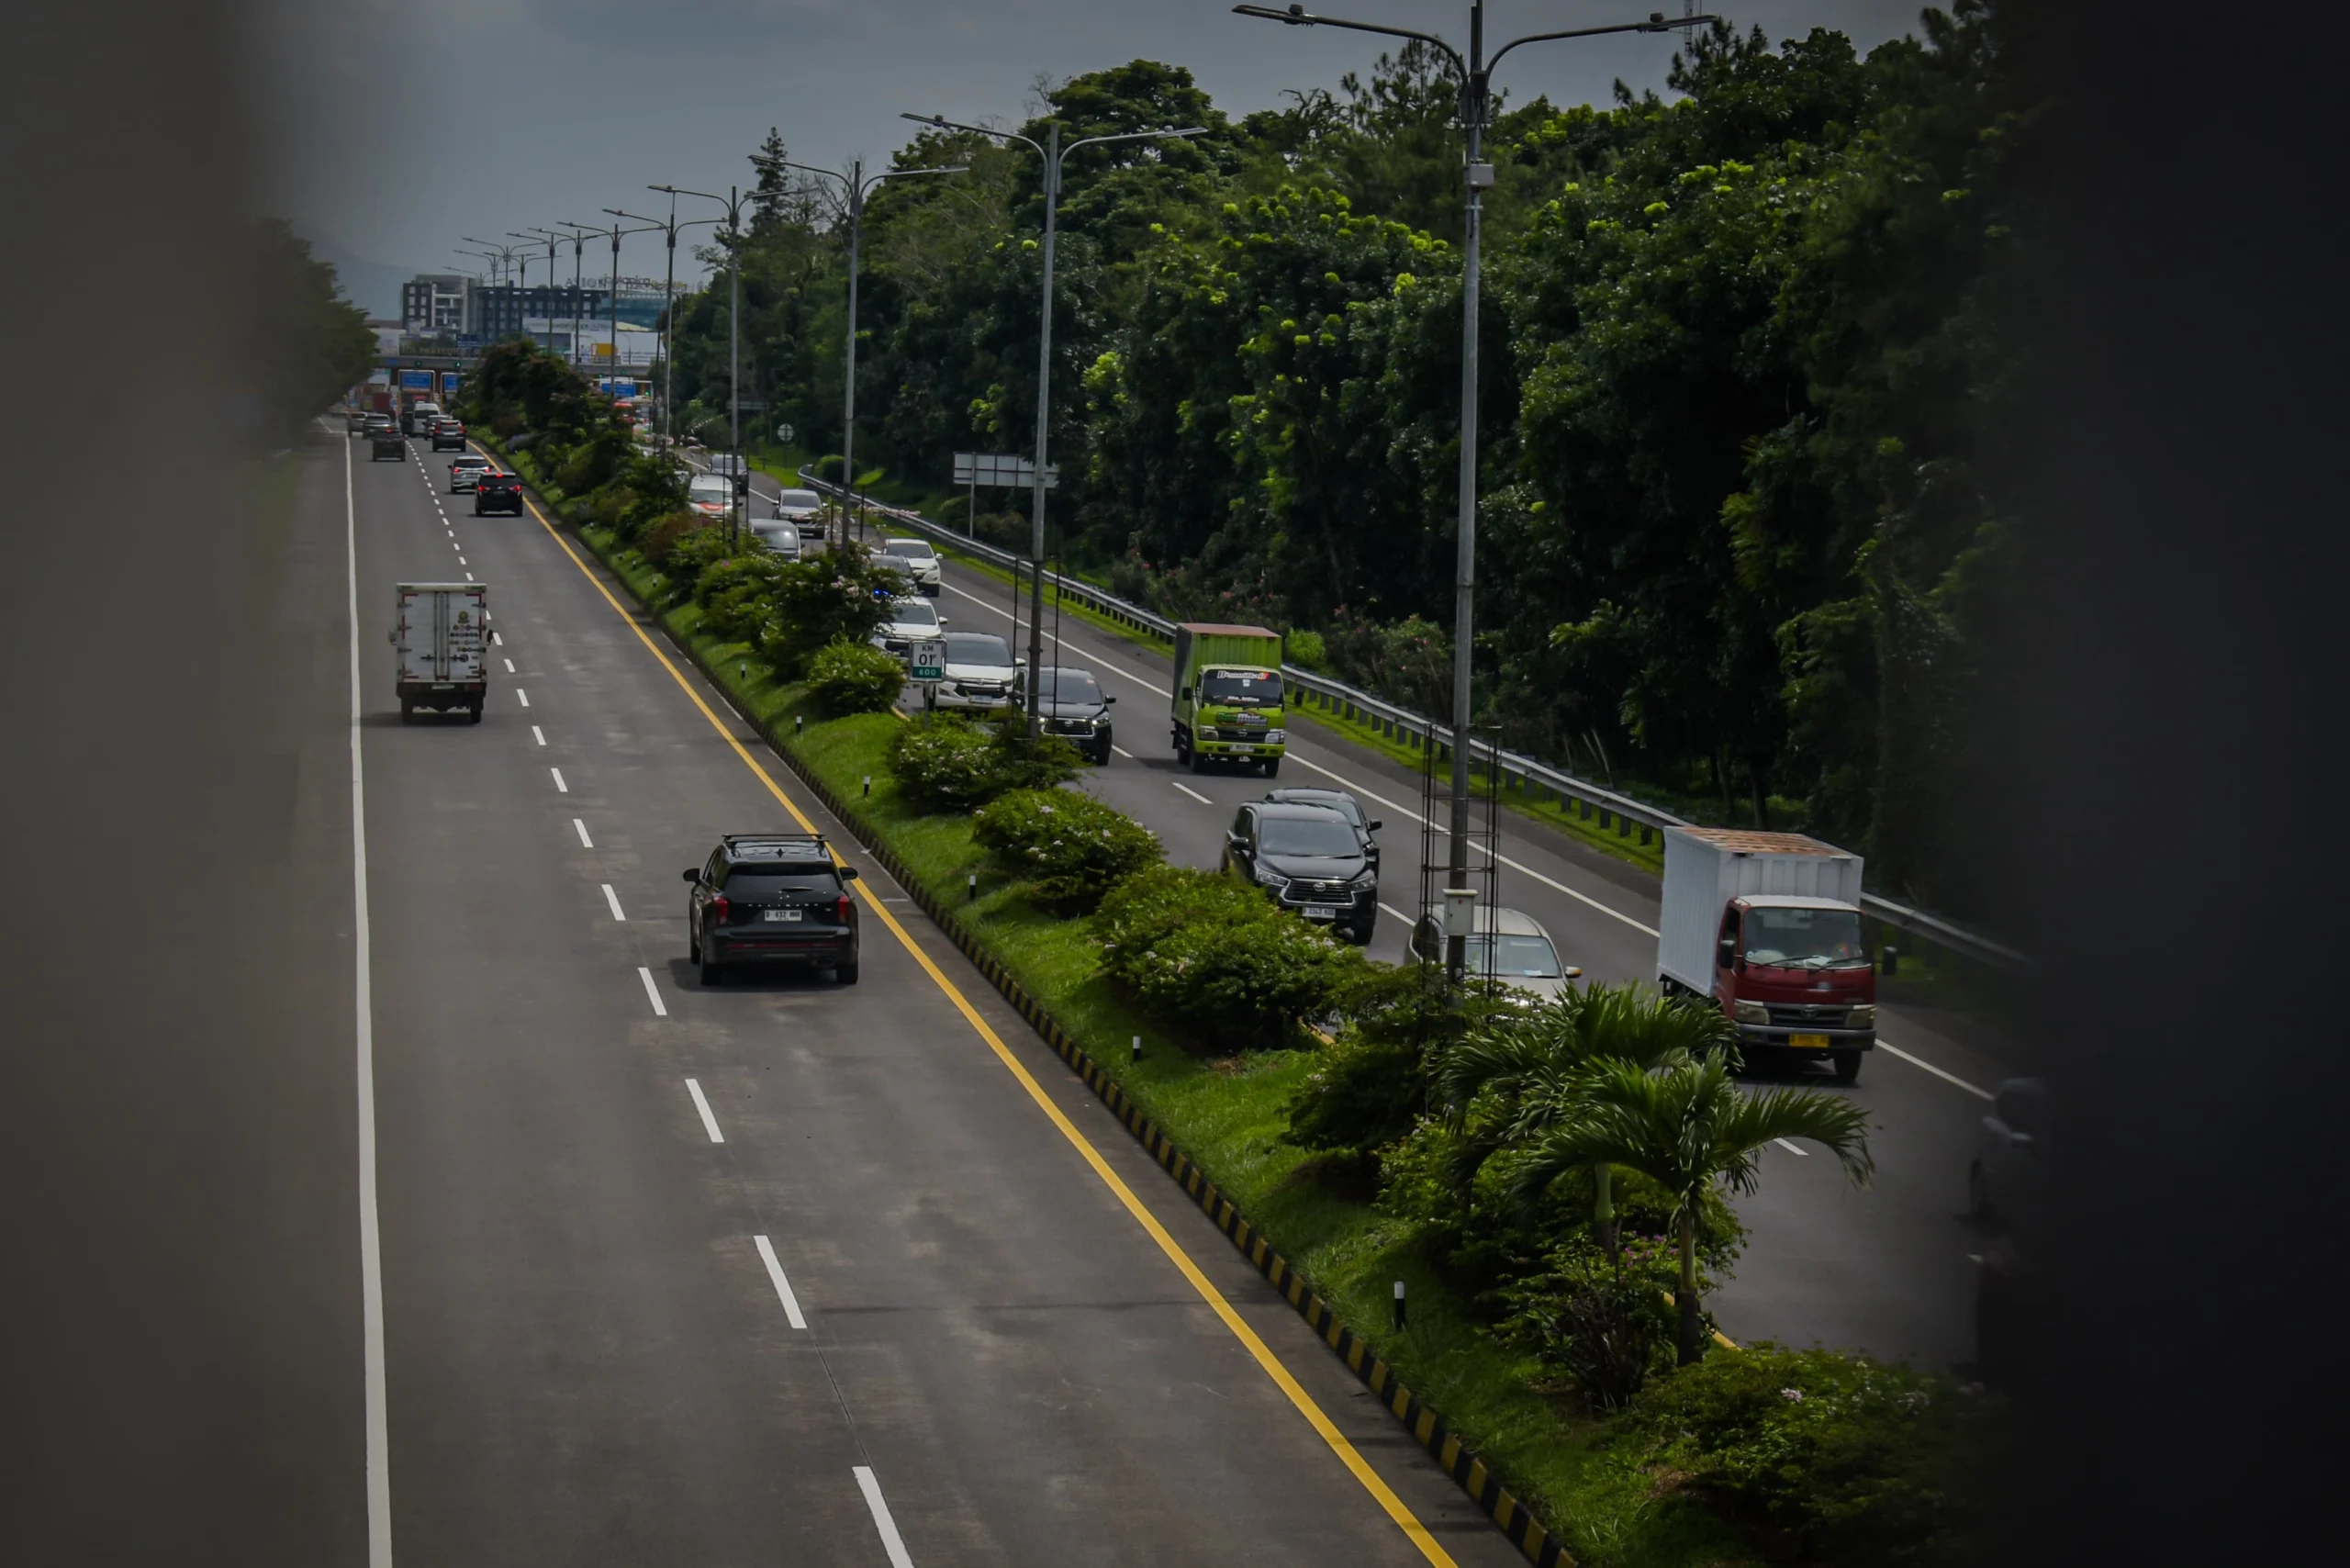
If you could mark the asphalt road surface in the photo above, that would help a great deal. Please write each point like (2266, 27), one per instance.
(1890, 1271)
(780, 1272)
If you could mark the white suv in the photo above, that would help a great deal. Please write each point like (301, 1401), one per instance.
(982, 676)
(920, 562)
(910, 620)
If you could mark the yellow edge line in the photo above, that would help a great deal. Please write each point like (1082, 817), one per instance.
(1404, 1519)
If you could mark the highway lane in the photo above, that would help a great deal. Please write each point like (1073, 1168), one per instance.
(592, 1359)
(1888, 1270)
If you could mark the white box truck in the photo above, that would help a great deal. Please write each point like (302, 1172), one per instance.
(1767, 926)
(441, 633)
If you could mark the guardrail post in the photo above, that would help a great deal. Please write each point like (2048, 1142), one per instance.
(1624, 826)
(1644, 835)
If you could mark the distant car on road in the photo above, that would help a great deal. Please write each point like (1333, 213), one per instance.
(771, 899)
(1310, 860)
(354, 422)
(982, 674)
(910, 620)
(1075, 708)
(919, 562)
(1338, 800)
(806, 509)
(448, 435)
(385, 443)
(496, 492)
(778, 535)
(710, 495)
(1509, 944)
(466, 471)
(375, 424)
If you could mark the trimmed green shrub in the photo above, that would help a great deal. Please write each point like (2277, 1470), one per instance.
(1608, 1323)
(821, 599)
(1858, 1461)
(854, 677)
(1203, 950)
(664, 534)
(945, 763)
(1068, 848)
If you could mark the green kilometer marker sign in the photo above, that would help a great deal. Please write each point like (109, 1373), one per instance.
(927, 661)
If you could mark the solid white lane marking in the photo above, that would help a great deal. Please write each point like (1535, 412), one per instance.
(582, 829)
(708, 1122)
(537, 736)
(782, 1285)
(378, 1442)
(510, 666)
(891, 1541)
(1121, 751)
(1790, 1147)
(653, 994)
(612, 899)
(1938, 1072)
(1191, 792)
(523, 696)
(1398, 913)
(560, 787)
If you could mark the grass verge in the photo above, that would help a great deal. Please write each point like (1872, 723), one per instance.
(1227, 1114)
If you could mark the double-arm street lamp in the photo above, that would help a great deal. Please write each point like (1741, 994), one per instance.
(669, 228)
(503, 252)
(856, 183)
(578, 236)
(612, 291)
(1475, 75)
(1054, 156)
(738, 481)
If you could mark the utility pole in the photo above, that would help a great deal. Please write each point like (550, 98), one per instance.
(1054, 155)
(669, 227)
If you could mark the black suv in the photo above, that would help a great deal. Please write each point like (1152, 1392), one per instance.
(1310, 859)
(497, 492)
(771, 899)
(387, 442)
(448, 435)
(1338, 800)
(1075, 708)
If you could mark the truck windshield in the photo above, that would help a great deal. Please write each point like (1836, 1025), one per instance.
(1241, 687)
(1522, 958)
(1805, 938)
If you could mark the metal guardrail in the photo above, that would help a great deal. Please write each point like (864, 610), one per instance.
(1590, 802)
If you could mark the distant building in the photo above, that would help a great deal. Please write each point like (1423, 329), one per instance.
(435, 304)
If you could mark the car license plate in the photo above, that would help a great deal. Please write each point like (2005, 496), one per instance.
(1808, 1042)
(1319, 911)
(780, 914)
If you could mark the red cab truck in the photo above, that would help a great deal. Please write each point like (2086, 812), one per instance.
(1768, 926)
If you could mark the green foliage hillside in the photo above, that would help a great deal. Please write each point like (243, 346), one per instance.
(1743, 527)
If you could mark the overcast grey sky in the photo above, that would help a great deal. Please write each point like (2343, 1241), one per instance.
(403, 127)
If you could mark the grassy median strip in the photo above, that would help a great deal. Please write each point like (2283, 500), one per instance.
(1227, 1114)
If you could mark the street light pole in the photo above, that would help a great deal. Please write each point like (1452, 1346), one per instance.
(1475, 75)
(612, 283)
(739, 480)
(857, 186)
(669, 228)
(1054, 157)
(506, 254)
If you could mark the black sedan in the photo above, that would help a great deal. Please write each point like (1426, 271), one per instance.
(1311, 860)
(771, 900)
(1072, 705)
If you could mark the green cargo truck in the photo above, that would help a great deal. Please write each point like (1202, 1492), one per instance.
(1228, 697)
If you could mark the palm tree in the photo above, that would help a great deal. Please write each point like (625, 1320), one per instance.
(1538, 1062)
(1685, 1125)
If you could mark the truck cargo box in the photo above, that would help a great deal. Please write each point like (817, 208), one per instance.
(1705, 868)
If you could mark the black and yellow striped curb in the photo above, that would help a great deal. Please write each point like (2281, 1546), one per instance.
(1427, 1428)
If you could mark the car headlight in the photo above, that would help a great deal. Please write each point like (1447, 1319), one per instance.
(1266, 877)
(1363, 878)
(1865, 1015)
(1276, 737)
(1752, 1012)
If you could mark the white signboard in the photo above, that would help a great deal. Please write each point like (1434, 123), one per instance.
(927, 661)
(1003, 471)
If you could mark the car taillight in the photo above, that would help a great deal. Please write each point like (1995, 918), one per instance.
(718, 907)
(840, 912)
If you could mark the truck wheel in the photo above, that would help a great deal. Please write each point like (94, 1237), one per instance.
(1272, 768)
(472, 714)
(1848, 1066)
(407, 709)
(845, 974)
(1196, 759)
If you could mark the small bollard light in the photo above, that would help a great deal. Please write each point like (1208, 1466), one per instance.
(742, 670)
(797, 720)
(1138, 1056)
(869, 786)
(1399, 1304)
(971, 886)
